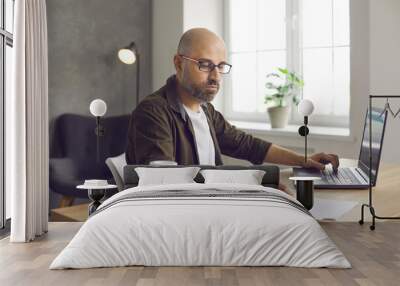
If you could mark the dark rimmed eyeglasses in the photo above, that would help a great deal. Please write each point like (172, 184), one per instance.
(208, 66)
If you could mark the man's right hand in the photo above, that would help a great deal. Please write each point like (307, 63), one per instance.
(319, 160)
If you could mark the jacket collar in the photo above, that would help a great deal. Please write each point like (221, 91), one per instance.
(172, 97)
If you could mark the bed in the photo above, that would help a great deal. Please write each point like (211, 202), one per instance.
(201, 224)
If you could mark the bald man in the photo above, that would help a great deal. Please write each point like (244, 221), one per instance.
(179, 123)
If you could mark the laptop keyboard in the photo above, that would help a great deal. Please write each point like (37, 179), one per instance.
(343, 176)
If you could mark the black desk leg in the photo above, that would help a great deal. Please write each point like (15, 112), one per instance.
(305, 193)
(95, 195)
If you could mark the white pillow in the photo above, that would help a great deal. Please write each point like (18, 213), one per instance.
(248, 177)
(163, 176)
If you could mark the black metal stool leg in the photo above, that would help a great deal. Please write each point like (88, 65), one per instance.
(372, 210)
(361, 221)
(370, 111)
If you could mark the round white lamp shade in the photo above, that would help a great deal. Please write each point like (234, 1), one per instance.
(127, 56)
(306, 107)
(98, 107)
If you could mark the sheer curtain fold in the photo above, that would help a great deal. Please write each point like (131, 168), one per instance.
(27, 119)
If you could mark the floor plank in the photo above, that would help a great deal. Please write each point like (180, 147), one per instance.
(375, 256)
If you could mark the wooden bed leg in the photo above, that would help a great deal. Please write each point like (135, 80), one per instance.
(66, 201)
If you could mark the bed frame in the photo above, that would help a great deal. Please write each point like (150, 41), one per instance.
(270, 179)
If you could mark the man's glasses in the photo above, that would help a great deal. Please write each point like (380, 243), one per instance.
(208, 66)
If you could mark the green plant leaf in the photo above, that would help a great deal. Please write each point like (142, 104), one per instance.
(287, 91)
(284, 71)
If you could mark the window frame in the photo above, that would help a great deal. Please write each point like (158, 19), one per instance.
(294, 62)
(6, 39)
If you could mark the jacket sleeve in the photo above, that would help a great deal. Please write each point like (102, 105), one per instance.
(236, 143)
(149, 136)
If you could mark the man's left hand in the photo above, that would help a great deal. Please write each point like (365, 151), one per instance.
(319, 160)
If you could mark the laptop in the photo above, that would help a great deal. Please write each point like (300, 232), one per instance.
(354, 177)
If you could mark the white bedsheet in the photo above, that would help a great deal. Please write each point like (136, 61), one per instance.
(200, 231)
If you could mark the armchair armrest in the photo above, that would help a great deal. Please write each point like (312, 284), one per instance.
(63, 177)
(62, 168)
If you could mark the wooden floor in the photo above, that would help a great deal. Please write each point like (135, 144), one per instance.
(375, 256)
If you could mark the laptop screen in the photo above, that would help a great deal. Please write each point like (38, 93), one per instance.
(378, 131)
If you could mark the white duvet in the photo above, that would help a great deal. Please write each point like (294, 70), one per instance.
(200, 231)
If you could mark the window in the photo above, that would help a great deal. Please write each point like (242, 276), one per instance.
(6, 44)
(310, 37)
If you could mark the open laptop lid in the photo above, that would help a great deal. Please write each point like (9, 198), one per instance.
(378, 131)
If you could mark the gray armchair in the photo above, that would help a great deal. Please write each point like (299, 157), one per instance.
(76, 160)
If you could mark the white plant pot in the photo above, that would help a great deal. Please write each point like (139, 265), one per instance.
(279, 116)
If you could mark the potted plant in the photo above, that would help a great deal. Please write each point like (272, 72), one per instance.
(283, 90)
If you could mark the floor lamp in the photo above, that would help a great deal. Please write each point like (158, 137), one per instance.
(129, 55)
(305, 108)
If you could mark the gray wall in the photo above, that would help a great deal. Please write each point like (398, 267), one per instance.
(83, 40)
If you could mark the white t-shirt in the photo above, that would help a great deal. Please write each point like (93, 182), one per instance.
(204, 141)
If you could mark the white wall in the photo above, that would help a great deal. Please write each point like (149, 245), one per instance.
(205, 13)
(385, 63)
(385, 46)
(167, 28)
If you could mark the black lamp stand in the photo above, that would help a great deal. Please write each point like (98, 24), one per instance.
(99, 131)
(303, 131)
(137, 77)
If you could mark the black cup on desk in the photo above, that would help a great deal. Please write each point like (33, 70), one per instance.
(305, 190)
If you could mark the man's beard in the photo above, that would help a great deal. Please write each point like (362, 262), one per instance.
(199, 91)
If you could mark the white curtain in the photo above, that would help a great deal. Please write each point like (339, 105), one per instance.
(27, 124)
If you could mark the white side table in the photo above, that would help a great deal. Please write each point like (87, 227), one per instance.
(95, 194)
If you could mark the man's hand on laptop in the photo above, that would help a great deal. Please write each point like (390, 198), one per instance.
(319, 160)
